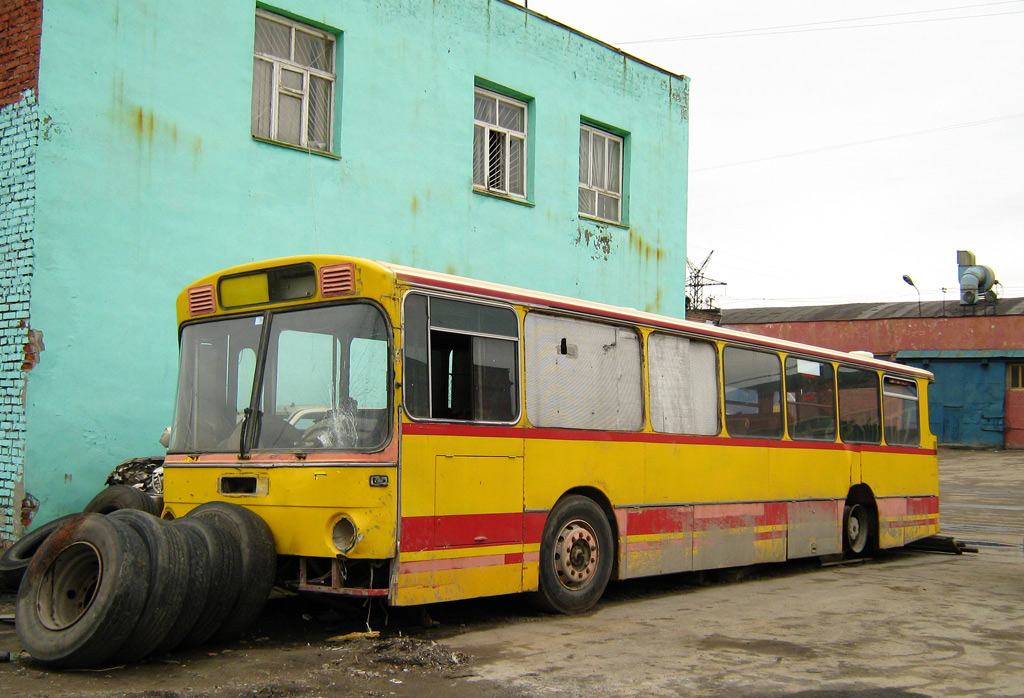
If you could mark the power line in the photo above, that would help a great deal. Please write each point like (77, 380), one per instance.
(796, 28)
(854, 144)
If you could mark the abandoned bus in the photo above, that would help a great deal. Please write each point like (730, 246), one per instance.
(422, 437)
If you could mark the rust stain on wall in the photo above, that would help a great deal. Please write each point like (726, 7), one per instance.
(644, 249)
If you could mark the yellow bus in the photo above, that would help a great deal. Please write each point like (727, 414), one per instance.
(422, 437)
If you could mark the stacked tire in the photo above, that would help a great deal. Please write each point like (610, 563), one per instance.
(114, 588)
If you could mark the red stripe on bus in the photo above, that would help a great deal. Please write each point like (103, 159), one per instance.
(420, 533)
(656, 520)
(498, 432)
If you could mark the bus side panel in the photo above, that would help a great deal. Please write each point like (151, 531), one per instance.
(462, 518)
(731, 535)
(815, 528)
(903, 520)
(655, 540)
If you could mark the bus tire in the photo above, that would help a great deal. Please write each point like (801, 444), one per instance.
(16, 558)
(225, 570)
(259, 562)
(197, 588)
(118, 497)
(856, 528)
(70, 615)
(167, 583)
(576, 553)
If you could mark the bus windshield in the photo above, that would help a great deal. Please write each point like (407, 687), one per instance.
(311, 379)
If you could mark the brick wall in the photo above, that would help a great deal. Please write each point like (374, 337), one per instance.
(1014, 419)
(21, 24)
(20, 31)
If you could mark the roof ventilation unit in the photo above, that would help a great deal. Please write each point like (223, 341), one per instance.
(975, 280)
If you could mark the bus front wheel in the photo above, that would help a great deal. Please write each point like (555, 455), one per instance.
(856, 528)
(575, 556)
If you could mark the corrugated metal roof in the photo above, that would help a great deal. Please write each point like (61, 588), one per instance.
(870, 311)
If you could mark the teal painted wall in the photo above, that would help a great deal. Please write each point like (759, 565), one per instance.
(148, 177)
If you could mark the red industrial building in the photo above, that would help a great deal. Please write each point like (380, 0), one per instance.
(976, 352)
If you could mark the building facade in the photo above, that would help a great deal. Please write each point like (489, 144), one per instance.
(151, 143)
(975, 351)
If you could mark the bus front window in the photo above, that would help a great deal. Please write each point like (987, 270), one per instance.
(218, 363)
(324, 382)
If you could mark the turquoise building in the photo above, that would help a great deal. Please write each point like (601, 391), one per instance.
(148, 143)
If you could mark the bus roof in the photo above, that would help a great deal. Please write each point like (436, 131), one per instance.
(439, 281)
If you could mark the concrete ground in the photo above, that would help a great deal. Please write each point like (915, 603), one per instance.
(904, 624)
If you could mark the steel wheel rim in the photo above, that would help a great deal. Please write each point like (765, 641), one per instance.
(69, 585)
(576, 554)
(856, 528)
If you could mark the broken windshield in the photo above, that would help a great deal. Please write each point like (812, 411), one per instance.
(320, 378)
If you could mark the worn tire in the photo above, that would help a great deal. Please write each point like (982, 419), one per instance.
(117, 497)
(576, 554)
(255, 542)
(167, 583)
(83, 592)
(16, 558)
(197, 588)
(225, 570)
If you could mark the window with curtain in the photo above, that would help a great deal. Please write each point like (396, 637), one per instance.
(600, 191)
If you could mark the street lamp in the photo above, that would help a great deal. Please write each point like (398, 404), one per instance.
(906, 277)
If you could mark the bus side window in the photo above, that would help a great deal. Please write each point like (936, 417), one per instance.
(810, 400)
(859, 409)
(461, 360)
(753, 386)
(900, 407)
(582, 374)
(684, 385)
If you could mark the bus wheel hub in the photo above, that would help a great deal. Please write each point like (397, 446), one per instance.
(576, 554)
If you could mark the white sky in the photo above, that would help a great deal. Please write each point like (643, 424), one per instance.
(914, 111)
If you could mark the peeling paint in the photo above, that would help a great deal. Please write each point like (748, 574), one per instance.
(29, 509)
(599, 242)
(33, 347)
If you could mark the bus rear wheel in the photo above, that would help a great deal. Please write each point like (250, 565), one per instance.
(856, 528)
(575, 556)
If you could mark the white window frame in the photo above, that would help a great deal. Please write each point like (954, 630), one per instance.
(269, 129)
(597, 175)
(485, 161)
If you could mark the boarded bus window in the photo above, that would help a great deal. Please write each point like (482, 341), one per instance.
(684, 385)
(461, 360)
(582, 374)
(753, 385)
(859, 418)
(810, 400)
(900, 407)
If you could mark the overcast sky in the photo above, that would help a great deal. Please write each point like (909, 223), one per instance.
(837, 145)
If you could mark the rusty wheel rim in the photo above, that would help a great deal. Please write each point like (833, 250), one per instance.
(69, 585)
(576, 554)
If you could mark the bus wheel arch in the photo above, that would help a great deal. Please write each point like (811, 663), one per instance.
(860, 521)
(577, 553)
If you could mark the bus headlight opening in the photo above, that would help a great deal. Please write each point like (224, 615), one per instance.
(343, 535)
